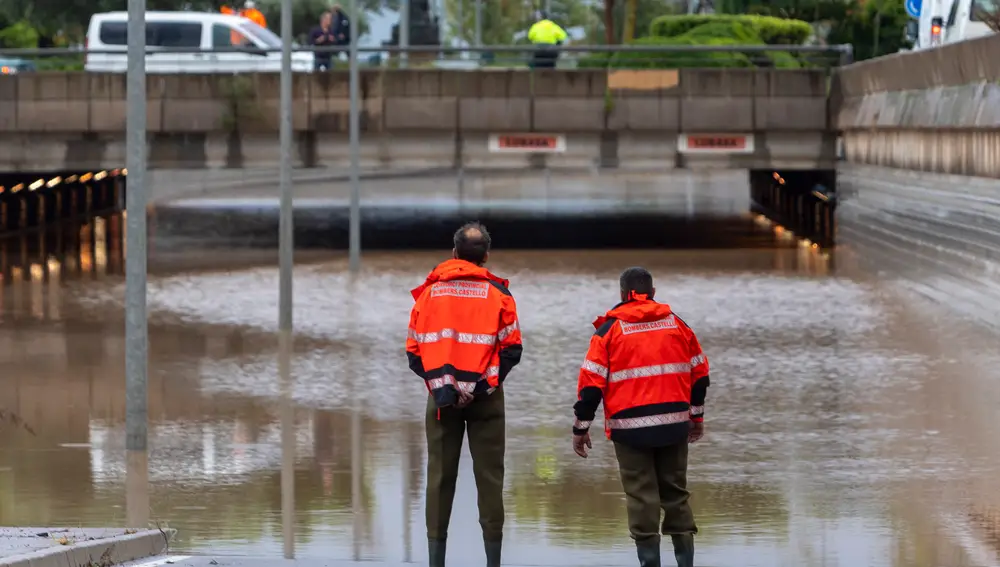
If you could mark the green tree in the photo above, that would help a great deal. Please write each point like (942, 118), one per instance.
(874, 28)
(503, 19)
(645, 12)
(19, 36)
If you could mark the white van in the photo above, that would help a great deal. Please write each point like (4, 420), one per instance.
(204, 33)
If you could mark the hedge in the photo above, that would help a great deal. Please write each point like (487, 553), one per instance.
(732, 34)
(772, 31)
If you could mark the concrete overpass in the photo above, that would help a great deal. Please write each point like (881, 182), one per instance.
(742, 118)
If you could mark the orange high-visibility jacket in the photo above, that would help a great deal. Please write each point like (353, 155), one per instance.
(255, 16)
(463, 333)
(647, 366)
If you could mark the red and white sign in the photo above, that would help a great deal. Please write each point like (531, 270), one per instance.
(528, 143)
(715, 143)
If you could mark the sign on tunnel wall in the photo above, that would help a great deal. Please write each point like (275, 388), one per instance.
(715, 143)
(527, 143)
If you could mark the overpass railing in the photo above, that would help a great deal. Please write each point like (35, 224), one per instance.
(314, 59)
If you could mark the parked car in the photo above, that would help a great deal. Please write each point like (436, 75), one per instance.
(15, 66)
(258, 49)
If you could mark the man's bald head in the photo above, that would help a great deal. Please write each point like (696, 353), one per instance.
(472, 243)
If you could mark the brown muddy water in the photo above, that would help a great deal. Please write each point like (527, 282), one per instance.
(849, 423)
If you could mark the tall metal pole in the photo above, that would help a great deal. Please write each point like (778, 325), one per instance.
(286, 261)
(404, 32)
(355, 127)
(479, 24)
(136, 324)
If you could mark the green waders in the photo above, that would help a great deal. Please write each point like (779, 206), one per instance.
(655, 479)
(486, 424)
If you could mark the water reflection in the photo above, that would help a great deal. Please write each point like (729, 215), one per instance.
(844, 429)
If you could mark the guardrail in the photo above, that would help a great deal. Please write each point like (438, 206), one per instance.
(311, 58)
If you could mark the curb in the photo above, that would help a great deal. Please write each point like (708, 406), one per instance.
(97, 553)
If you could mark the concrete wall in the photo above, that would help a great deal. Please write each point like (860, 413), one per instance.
(415, 117)
(937, 234)
(935, 110)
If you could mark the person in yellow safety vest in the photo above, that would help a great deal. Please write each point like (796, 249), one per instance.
(546, 35)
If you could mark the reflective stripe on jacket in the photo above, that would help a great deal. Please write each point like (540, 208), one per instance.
(647, 366)
(464, 333)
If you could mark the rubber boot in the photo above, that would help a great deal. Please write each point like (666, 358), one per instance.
(493, 553)
(649, 554)
(684, 549)
(435, 552)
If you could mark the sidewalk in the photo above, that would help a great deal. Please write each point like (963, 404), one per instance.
(228, 561)
(59, 547)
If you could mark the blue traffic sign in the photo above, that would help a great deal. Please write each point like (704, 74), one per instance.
(913, 8)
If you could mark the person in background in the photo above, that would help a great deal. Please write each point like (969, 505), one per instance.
(323, 36)
(648, 368)
(341, 25)
(546, 36)
(251, 13)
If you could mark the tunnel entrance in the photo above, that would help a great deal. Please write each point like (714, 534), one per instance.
(801, 201)
(34, 201)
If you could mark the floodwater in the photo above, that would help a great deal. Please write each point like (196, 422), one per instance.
(849, 423)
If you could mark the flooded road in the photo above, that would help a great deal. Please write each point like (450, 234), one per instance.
(849, 423)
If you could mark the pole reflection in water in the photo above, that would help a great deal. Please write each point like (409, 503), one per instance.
(407, 527)
(54, 288)
(100, 246)
(288, 439)
(86, 252)
(357, 511)
(37, 293)
(356, 392)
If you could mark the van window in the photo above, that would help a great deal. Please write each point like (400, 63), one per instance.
(174, 34)
(984, 10)
(269, 38)
(225, 36)
(158, 34)
(115, 33)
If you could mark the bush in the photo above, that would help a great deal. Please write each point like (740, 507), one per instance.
(19, 36)
(772, 31)
(732, 34)
(675, 59)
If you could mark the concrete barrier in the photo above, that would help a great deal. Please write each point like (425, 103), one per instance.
(951, 65)
(77, 120)
(934, 110)
(399, 100)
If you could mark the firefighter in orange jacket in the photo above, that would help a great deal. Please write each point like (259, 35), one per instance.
(463, 340)
(646, 365)
(249, 12)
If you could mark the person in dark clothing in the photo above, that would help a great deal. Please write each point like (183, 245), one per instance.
(341, 25)
(323, 35)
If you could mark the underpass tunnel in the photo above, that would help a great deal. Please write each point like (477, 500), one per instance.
(803, 202)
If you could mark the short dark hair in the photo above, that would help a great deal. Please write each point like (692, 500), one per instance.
(472, 243)
(638, 280)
